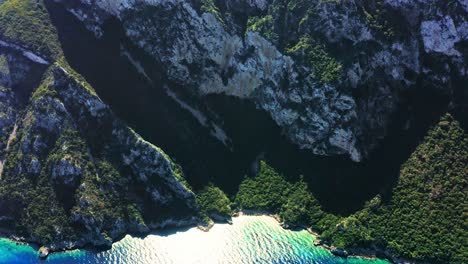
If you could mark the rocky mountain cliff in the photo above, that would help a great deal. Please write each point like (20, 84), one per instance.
(335, 78)
(331, 74)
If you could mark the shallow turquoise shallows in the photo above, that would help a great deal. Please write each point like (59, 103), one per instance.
(251, 239)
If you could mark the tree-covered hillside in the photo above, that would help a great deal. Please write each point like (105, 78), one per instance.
(425, 218)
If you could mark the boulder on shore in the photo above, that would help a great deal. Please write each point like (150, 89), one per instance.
(318, 242)
(339, 252)
(43, 252)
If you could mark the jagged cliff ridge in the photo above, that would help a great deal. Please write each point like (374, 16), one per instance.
(330, 73)
(71, 173)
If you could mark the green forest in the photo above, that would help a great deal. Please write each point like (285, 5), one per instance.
(425, 218)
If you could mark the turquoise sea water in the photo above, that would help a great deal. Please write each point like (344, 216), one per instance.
(251, 239)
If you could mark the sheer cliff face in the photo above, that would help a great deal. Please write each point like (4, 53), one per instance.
(329, 73)
(71, 172)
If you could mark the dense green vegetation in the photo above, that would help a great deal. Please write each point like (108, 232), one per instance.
(426, 215)
(310, 53)
(47, 210)
(378, 20)
(285, 25)
(213, 201)
(290, 25)
(433, 187)
(39, 211)
(301, 207)
(270, 191)
(27, 22)
(263, 25)
(209, 6)
(43, 90)
(75, 76)
(425, 218)
(44, 212)
(266, 191)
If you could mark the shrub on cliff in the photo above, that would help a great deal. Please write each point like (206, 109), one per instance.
(268, 190)
(213, 200)
(312, 54)
(301, 207)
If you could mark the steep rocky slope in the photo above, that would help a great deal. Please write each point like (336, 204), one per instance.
(71, 173)
(331, 74)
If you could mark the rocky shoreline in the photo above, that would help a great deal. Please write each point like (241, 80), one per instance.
(215, 218)
(364, 253)
(45, 250)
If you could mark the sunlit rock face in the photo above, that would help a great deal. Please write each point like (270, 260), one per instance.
(440, 36)
(200, 54)
(384, 55)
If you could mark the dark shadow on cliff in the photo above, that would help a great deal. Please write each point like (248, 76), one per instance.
(340, 184)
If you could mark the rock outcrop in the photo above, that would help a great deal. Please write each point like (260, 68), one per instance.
(72, 173)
